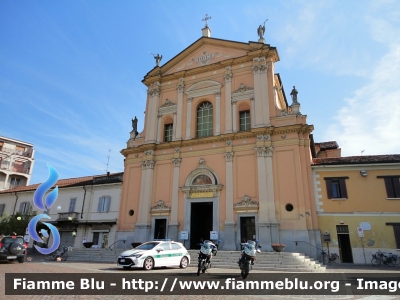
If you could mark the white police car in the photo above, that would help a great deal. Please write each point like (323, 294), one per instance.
(155, 254)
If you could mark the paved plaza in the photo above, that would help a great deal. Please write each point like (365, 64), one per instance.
(39, 265)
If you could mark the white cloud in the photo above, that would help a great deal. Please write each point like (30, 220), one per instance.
(371, 118)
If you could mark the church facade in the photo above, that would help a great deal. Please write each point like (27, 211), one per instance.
(221, 152)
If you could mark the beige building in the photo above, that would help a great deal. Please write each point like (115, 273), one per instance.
(221, 151)
(86, 207)
(357, 192)
(16, 163)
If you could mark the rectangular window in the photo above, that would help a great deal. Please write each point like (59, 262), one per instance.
(24, 207)
(392, 184)
(72, 203)
(336, 187)
(15, 182)
(2, 206)
(104, 204)
(244, 119)
(168, 132)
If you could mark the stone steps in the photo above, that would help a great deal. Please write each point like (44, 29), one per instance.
(266, 261)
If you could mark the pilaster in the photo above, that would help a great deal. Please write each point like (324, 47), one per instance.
(174, 127)
(158, 129)
(260, 69)
(142, 227)
(234, 119)
(189, 117)
(173, 223)
(152, 111)
(217, 113)
(228, 100)
(179, 116)
(229, 225)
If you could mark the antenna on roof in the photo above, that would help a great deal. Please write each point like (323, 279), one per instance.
(108, 160)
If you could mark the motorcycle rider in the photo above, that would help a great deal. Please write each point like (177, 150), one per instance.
(250, 245)
(205, 246)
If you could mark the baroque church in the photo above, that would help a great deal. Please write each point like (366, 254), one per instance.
(223, 155)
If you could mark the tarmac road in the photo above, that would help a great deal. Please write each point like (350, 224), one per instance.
(39, 265)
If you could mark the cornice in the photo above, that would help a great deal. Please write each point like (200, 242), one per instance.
(299, 128)
(267, 53)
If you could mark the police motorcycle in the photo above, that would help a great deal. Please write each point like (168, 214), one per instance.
(247, 257)
(207, 250)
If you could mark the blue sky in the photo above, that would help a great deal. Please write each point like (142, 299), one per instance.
(71, 71)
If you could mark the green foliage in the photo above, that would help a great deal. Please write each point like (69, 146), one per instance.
(11, 224)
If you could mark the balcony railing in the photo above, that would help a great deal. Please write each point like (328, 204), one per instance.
(13, 151)
(8, 185)
(69, 216)
(7, 167)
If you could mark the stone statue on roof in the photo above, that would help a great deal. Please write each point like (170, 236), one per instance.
(158, 58)
(134, 124)
(261, 31)
(294, 94)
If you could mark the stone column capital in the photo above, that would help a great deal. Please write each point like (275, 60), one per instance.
(264, 151)
(148, 164)
(229, 156)
(228, 77)
(177, 162)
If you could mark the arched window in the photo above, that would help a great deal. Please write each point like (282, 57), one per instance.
(204, 119)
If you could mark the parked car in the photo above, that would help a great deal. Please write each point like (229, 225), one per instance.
(155, 254)
(12, 248)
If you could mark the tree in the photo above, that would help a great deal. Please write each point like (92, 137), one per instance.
(16, 223)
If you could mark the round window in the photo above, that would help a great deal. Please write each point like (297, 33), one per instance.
(289, 207)
(131, 212)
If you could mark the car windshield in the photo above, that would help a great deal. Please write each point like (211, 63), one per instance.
(8, 240)
(147, 246)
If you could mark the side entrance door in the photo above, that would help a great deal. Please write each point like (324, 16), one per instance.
(247, 229)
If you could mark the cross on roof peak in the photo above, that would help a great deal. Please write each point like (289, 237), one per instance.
(206, 19)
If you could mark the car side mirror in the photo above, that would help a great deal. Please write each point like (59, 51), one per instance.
(158, 249)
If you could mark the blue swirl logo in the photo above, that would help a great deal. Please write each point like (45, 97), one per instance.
(45, 204)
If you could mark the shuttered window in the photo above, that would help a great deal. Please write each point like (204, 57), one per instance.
(24, 207)
(336, 187)
(72, 203)
(104, 204)
(392, 185)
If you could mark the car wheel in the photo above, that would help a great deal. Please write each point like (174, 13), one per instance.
(184, 262)
(148, 264)
(126, 268)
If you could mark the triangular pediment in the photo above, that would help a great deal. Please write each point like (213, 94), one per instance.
(207, 51)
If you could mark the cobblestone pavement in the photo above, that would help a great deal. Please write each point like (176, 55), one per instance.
(39, 265)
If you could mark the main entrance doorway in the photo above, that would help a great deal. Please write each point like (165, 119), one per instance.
(201, 222)
(247, 229)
